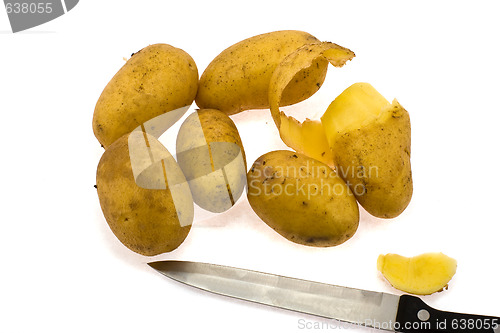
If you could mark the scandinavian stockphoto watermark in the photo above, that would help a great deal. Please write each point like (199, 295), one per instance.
(221, 170)
(26, 14)
(421, 325)
(288, 180)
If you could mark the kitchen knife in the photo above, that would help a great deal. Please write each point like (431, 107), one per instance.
(385, 311)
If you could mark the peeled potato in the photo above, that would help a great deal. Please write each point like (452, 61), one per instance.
(370, 140)
(424, 274)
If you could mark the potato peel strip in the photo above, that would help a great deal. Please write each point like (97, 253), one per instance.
(294, 133)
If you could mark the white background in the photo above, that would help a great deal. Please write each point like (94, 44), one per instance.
(62, 270)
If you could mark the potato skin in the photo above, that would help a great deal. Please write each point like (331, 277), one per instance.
(157, 79)
(302, 199)
(238, 78)
(375, 161)
(212, 157)
(144, 220)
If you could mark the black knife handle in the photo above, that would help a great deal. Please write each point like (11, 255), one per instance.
(416, 316)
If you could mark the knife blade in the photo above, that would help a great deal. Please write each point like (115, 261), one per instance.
(379, 310)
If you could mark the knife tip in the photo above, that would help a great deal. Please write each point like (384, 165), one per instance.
(165, 265)
(154, 264)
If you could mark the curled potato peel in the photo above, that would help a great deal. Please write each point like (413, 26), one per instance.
(308, 137)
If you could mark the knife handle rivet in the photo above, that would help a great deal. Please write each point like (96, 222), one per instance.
(423, 315)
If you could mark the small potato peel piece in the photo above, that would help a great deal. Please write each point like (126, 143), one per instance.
(424, 274)
(308, 137)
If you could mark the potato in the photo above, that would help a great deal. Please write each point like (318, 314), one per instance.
(211, 155)
(424, 274)
(370, 141)
(144, 195)
(158, 80)
(302, 199)
(238, 78)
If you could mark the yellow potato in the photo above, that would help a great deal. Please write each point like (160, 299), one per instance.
(211, 155)
(143, 195)
(302, 199)
(238, 78)
(158, 80)
(370, 141)
(424, 274)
